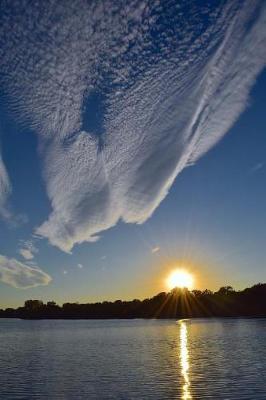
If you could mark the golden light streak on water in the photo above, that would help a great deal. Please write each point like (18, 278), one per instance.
(184, 359)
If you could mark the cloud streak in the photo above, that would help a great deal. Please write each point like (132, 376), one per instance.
(173, 81)
(21, 276)
(5, 189)
(155, 249)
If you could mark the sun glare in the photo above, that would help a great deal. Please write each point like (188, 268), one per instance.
(180, 279)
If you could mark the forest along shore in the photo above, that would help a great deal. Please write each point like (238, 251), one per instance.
(179, 303)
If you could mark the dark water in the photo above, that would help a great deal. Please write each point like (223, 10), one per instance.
(199, 359)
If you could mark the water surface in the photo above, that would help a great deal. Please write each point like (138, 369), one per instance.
(133, 359)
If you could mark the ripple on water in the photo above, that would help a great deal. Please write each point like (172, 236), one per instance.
(135, 359)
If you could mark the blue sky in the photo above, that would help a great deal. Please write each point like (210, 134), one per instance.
(97, 128)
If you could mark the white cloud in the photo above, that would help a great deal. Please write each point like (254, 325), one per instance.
(80, 266)
(155, 249)
(22, 276)
(27, 254)
(27, 249)
(168, 99)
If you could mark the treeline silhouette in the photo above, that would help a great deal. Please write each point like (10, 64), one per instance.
(179, 303)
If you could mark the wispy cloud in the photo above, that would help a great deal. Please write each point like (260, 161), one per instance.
(22, 276)
(257, 167)
(80, 266)
(27, 249)
(5, 189)
(27, 254)
(170, 94)
(155, 249)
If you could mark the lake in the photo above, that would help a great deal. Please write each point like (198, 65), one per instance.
(133, 359)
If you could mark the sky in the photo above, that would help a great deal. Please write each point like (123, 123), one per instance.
(132, 141)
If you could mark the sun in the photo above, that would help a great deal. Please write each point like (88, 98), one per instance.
(180, 278)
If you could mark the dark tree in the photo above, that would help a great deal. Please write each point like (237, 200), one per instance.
(179, 303)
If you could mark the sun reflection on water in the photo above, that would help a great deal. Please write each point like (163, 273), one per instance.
(184, 359)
